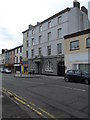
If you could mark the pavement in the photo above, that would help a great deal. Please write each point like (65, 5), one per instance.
(35, 76)
(11, 110)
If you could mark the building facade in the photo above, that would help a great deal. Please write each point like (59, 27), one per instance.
(7, 59)
(89, 10)
(18, 58)
(43, 44)
(77, 50)
(2, 61)
(13, 58)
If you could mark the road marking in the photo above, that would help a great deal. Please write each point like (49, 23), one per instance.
(30, 105)
(76, 89)
(34, 82)
(72, 88)
(20, 100)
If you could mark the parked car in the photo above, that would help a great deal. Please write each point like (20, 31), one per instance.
(7, 71)
(77, 75)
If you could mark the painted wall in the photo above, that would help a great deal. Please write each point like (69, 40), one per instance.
(80, 56)
(71, 21)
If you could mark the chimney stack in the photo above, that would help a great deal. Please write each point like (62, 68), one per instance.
(84, 9)
(30, 26)
(38, 23)
(76, 4)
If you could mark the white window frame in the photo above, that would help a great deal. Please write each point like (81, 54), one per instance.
(49, 24)
(59, 48)
(59, 33)
(74, 45)
(49, 67)
(39, 51)
(32, 41)
(40, 28)
(59, 20)
(87, 41)
(49, 36)
(40, 38)
(49, 50)
(32, 32)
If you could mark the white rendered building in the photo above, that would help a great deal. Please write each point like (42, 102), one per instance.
(43, 44)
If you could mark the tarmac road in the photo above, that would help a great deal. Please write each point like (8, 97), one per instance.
(51, 96)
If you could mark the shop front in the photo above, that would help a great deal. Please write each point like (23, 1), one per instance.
(24, 67)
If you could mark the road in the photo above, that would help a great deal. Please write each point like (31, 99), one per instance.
(49, 96)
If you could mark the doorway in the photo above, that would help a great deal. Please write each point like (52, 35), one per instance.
(60, 68)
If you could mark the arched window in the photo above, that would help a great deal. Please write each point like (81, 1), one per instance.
(49, 66)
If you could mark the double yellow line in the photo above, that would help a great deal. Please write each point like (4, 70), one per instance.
(39, 111)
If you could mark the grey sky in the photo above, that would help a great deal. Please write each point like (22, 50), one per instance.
(16, 15)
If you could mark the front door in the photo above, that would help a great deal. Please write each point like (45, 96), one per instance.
(61, 68)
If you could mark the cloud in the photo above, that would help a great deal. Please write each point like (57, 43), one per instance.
(7, 39)
(5, 34)
(16, 15)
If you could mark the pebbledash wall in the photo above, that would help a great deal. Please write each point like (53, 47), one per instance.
(43, 44)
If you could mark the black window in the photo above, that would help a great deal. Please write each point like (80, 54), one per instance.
(32, 53)
(20, 49)
(27, 54)
(27, 43)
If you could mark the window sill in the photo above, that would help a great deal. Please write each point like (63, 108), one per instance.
(74, 49)
(50, 71)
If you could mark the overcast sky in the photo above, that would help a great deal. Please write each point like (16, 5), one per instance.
(16, 15)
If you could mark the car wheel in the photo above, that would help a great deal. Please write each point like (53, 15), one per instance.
(67, 79)
(86, 81)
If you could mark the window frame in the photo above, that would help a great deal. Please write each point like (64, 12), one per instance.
(87, 46)
(27, 33)
(49, 66)
(33, 32)
(59, 48)
(49, 36)
(40, 28)
(17, 50)
(27, 54)
(59, 20)
(39, 51)
(74, 47)
(49, 50)
(32, 42)
(20, 49)
(59, 34)
(40, 38)
(32, 53)
(27, 43)
(49, 24)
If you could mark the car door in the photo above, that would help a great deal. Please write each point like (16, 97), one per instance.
(70, 74)
(78, 76)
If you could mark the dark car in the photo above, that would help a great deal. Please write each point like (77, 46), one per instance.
(77, 75)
